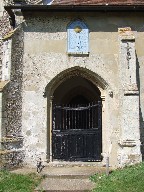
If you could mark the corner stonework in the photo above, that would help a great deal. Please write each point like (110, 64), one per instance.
(129, 151)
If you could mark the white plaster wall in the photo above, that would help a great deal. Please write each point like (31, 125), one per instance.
(44, 58)
(35, 105)
(34, 124)
(45, 46)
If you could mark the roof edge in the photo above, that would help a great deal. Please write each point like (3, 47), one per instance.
(70, 8)
(75, 8)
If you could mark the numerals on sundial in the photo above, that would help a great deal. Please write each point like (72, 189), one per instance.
(78, 35)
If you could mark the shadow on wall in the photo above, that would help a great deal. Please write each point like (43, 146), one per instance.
(142, 134)
(54, 22)
(140, 112)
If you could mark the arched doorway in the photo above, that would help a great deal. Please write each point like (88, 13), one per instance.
(56, 95)
(76, 121)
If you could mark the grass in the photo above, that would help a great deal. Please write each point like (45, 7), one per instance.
(10, 182)
(129, 179)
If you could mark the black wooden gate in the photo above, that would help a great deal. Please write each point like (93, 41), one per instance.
(77, 134)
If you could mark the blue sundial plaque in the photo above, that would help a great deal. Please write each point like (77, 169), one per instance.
(78, 38)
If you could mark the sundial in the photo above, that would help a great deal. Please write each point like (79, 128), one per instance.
(78, 38)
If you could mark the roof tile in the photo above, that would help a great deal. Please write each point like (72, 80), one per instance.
(98, 2)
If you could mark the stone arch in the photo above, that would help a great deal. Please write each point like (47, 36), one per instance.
(94, 78)
(63, 76)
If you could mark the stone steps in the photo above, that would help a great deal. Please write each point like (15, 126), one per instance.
(73, 164)
(59, 184)
(63, 191)
(66, 176)
(68, 179)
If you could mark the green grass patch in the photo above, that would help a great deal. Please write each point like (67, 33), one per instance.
(128, 179)
(10, 182)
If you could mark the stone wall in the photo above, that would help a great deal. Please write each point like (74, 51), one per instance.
(8, 2)
(11, 139)
(12, 2)
(45, 57)
(11, 142)
(39, 54)
(11, 159)
(32, 1)
(12, 99)
(4, 29)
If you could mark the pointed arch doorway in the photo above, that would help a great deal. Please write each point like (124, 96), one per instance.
(76, 121)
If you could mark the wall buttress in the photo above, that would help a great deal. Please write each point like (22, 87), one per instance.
(130, 126)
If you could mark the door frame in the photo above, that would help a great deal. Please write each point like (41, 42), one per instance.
(98, 81)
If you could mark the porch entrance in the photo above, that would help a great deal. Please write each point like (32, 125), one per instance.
(77, 132)
(76, 121)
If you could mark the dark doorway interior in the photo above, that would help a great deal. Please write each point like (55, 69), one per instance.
(76, 89)
(79, 100)
(77, 121)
